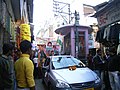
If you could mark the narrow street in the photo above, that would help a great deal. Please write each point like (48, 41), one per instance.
(64, 39)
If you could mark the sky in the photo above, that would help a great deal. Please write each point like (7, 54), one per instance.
(43, 10)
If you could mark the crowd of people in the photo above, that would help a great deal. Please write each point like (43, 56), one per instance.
(40, 55)
(107, 66)
(16, 68)
(19, 67)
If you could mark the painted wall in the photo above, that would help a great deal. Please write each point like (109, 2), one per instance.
(72, 39)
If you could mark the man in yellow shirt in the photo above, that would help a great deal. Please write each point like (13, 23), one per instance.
(24, 68)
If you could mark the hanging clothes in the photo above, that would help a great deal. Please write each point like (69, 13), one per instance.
(114, 34)
(99, 36)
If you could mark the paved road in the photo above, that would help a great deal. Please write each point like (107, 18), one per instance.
(39, 85)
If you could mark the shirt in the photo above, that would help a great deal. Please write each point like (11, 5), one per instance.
(24, 71)
(98, 62)
(114, 63)
(5, 73)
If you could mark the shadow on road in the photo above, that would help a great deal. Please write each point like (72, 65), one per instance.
(40, 85)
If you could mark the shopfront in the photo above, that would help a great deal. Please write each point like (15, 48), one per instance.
(108, 20)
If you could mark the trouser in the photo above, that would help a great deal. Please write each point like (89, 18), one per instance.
(100, 75)
(35, 70)
(114, 80)
(106, 81)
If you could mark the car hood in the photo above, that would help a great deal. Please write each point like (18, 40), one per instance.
(78, 75)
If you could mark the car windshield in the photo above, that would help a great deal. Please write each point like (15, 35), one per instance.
(66, 62)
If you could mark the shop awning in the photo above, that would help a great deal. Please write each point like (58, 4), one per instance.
(101, 8)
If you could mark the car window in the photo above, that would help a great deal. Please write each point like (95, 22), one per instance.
(65, 62)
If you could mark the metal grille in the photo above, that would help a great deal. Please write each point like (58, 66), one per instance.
(82, 85)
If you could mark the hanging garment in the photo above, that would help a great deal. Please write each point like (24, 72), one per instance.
(106, 33)
(114, 34)
(118, 50)
(99, 36)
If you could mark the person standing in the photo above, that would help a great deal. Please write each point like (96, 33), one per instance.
(49, 48)
(106, 80)
(114, 68)
(41, 57)
(6, 68)
(98, 63)
(90, 63)
(24, 68)
(35, 62)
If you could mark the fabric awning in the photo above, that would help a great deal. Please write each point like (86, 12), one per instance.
(105, 7)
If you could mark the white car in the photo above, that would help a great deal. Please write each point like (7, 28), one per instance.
(65, 72)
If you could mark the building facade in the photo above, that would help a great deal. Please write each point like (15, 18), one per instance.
(11, 17)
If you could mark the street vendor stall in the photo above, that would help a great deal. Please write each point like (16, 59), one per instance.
(108, 16)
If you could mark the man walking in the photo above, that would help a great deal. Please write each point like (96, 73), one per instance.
(6, 72)
(24, 68)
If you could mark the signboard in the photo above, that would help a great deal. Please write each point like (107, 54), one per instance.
(110, 16)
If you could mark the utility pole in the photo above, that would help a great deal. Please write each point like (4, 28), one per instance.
(59, 9)
(77, 18)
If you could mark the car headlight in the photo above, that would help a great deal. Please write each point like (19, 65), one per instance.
(97, 80)
(62, 84)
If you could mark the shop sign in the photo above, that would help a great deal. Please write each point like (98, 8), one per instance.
(109, 17)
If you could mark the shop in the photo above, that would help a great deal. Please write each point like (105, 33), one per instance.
(108, 16)
(6, 23)
(23, 20)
